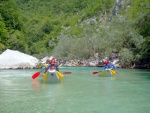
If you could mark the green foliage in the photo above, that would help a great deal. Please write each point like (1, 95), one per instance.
(39, 46)
(3, 33)
(47, 27)
(16, 41)
(49, 17)
(3, 36)
(138, 7)
(71, 29)
(142, 25)
(2, 48)
(11, 35)
(61, 51)
(10, 14)
(126, 57)
(145, 49)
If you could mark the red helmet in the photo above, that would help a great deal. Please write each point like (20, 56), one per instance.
(52, 61)
(106, 62)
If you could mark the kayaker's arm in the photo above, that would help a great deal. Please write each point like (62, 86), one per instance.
(57, 67)
(47, 68)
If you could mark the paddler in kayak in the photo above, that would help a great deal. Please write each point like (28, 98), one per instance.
(108, 65)
(52, 65)
(111, 66)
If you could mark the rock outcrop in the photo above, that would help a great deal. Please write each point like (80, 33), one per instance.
(12, 59)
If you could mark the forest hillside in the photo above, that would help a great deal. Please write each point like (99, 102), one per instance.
(77, 29)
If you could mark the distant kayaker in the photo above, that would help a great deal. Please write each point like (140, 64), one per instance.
(106, 62)
(111, 66)
(52, 65)
(108, 65)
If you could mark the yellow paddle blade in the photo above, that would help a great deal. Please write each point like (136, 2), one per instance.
(60, 65)
(113, 72)
(102, 73)
(45, 77)
(60, 75)
(45, 65)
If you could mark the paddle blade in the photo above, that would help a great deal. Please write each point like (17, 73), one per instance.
(102, 73)
(66, 73)
(95, 72)
(45, 77)
(60, 75)
(113, 72)
(35, 75)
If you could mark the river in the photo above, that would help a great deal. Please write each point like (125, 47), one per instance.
(78, 92)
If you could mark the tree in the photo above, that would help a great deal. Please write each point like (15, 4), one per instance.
(10, 15)
(3, 33)
(126, 57)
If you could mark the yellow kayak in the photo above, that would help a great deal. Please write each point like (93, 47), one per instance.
(52, 76)
(108, 72)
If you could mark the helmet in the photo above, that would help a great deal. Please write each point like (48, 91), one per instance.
(52, 61)
(106, 62)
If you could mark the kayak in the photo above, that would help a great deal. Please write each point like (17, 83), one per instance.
(52, 76)
(108, 72)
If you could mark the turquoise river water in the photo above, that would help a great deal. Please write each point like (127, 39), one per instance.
(78, 92)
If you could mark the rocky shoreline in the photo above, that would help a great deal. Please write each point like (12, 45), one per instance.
(12, 59)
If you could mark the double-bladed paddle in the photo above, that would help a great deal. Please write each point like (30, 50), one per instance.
(66, 72)
(96, 72)
(35, 75)
(102, 72)
(114, 72)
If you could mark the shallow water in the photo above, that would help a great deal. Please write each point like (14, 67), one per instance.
(78, 92)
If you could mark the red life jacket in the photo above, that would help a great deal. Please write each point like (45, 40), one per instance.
(53, 67)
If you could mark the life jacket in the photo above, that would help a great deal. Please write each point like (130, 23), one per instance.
(52, 67)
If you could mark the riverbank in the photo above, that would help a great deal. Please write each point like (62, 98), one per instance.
(12, 59)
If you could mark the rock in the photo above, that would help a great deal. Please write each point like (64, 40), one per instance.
(11, 59)
(42, 61)
(116, 62)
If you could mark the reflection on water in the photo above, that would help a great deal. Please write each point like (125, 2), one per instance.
(36, 85)
(78, 92)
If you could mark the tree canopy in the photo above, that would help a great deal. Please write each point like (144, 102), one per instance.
(72, 29)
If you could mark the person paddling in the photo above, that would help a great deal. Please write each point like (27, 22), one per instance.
(52, 65)
(109, 67)
(106, 66)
